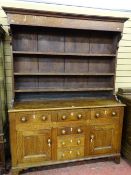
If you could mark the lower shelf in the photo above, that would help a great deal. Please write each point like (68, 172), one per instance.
(63, 89)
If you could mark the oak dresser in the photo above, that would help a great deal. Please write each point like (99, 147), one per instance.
(64, 108)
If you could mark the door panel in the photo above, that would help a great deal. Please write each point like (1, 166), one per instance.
(34, 146)
(102, 139)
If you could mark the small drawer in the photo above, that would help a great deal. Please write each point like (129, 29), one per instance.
(113, 112)
(72, 153)
(69, 115)
(105, 113)
(98, 113)
(71, 130)
(37, 117)
(44, 116)
(69, 141)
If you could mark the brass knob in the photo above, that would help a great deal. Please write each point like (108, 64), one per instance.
(78, 142)
(97, 115)
(49, 142)
(64, 117)
(72, 113)
(23, 119)
(79, 130)
(63, 143)
(92, 137)
(113, 113)
(63, 131)
(71, 140)
(79, 116)
(70, 152)
(44, 117)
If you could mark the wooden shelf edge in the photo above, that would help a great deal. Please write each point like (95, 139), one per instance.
(64, 90)
(64, 74)
(62, 54)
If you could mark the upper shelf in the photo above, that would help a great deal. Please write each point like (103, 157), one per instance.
(63, 54)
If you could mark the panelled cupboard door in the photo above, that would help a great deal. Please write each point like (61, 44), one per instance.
(34, 146)
(103, 139)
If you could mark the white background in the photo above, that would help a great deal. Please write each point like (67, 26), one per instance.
(121, 5)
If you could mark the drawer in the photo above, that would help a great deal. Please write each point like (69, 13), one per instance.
(100, 113)
(69, 141)
(37, 117)
(69, 115)
(71, 130)
(113, 112)
(72, 153)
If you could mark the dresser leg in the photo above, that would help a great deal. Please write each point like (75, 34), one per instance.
(15, 172)
(117, 159)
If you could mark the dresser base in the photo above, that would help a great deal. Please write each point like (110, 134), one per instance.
(56, 134)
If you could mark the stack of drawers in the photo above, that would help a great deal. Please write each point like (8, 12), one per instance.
(71, 140)
(70, 143)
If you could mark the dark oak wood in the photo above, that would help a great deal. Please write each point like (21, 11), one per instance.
(63, 54)
(52, 54)
(64, 74)
(117, 159)
(62, 90)
(60, 62)
(63, 20)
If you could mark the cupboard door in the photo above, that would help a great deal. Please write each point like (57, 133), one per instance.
(34, 146)
(103, 139)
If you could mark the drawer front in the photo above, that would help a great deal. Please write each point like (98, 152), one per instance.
(67, 154)
(100, 113)
(114, 112)
(69, 115)
(33, 117)
(69, 141)
(71, 130)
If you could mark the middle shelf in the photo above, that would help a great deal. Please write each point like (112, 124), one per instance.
(62, 89)
(64, 54)
(61, 74)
